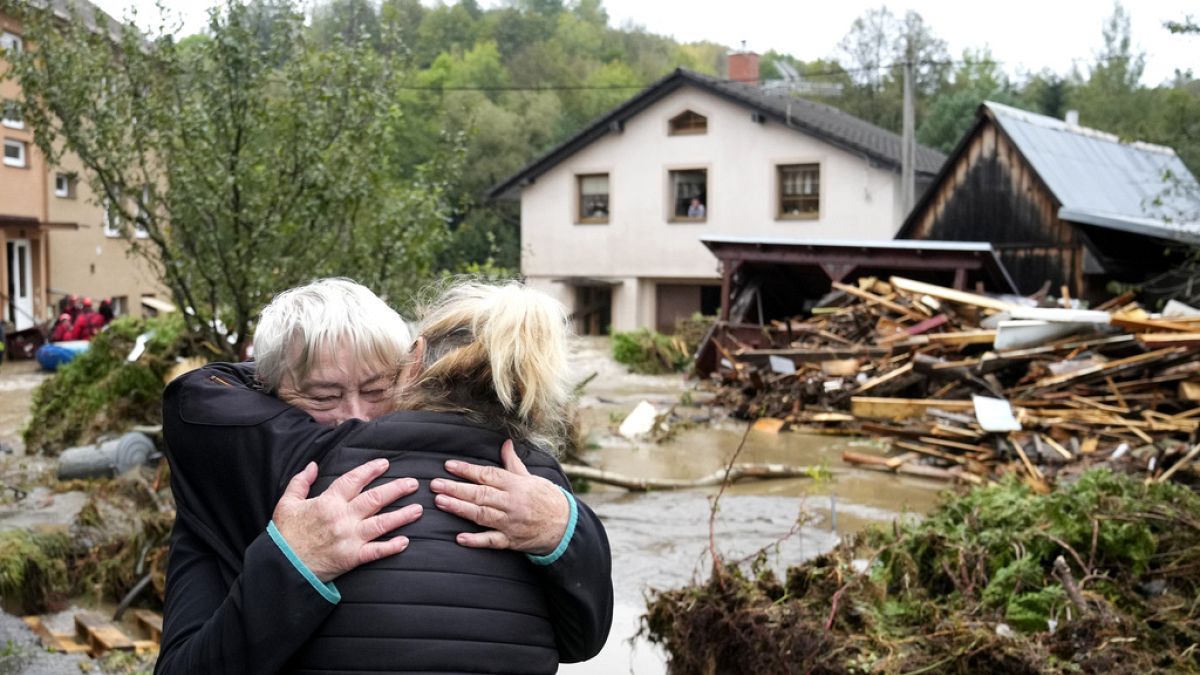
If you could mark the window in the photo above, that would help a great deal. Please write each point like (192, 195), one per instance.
(112, 220)
(593, 198)
(10, 115)
(688, 122)
(120, 305)
(139, 223)
(64, 185)
(799, 191)
(689, 195)
(10, 41)
(14, 153)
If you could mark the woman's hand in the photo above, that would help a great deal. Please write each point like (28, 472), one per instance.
(526, 513)
(336, 531)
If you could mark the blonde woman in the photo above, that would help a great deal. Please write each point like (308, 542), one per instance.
(468, 593)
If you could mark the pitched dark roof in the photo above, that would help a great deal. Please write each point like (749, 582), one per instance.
(816, 119)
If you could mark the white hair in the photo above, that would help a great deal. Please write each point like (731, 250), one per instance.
(497, 352)
(303, 323)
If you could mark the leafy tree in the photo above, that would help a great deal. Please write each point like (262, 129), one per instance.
(240, 163)
(1112, 97)
(351, 21)
(978, 78)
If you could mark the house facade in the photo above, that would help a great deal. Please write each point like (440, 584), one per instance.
(1064, 205)
(54, 236)
(611, 220)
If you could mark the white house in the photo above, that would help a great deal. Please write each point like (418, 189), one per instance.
(611, 219)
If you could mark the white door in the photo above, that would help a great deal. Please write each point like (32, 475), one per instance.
(20, 284)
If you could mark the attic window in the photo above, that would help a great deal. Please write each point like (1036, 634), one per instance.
(688, 122)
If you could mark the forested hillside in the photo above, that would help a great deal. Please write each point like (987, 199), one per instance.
(516, 79)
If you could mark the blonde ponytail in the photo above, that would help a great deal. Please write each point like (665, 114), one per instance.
(497, 353)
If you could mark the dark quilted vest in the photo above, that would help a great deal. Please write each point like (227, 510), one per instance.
(437, 607)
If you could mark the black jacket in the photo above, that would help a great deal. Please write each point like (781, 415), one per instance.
(235, 604)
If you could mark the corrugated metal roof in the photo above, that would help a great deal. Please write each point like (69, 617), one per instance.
(1100, 180)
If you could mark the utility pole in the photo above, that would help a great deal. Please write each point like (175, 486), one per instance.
(908, 144)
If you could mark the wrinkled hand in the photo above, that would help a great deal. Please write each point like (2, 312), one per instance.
(526, 513)
(335, 532)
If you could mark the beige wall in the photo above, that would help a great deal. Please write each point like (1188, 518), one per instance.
(640, 244)
(85, 261)
(70, 251)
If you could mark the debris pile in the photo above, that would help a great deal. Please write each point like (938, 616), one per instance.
(1098, 577)
(970, 386)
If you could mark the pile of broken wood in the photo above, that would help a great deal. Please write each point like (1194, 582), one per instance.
(970, 386)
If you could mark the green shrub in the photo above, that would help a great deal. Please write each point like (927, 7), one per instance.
(648, 352)
(100, 391)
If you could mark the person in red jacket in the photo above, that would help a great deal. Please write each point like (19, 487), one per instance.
(88, 323)
(62, 328)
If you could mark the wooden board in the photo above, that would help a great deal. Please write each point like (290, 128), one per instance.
(151, 622)
(770, 425)
(966, 337)
(943, 293)
(101, 634)
(1134, 323)
(870, 407)
(63, 642)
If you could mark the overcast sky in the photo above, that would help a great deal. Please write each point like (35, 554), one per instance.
(1024, 35)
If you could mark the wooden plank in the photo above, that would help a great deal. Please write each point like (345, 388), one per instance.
(101, 634)
(56, 641)
(932, 452)
(1099, 406)
(877, 300)
(151, 622)
(943, 293)
(1157, 340)
(1054, 445)
(931, 440)
(1189, 390)
(966, 337)
(1110, 367)
(769, 425)
(869, 407)
(886, 377)
(1187, 459)
(1138, 324)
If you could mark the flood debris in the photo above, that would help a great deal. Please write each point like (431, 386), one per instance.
(1097, 577)
(971, 387)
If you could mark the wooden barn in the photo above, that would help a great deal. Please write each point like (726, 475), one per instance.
(1061, 204)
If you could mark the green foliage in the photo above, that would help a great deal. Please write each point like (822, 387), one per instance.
(252, 159)
(937, 589)
(100, 391)
(33, 567)
(649, 352)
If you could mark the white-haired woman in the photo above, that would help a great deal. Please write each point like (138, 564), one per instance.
(464, 596)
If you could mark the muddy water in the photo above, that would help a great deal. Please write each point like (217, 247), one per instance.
(18, 379)
(661, 539)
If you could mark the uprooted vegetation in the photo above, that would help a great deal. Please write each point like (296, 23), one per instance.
(118, 538)
(101, 391)
(653, 353)
(973, 588)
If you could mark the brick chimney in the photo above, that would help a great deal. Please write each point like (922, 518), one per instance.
(743, 67)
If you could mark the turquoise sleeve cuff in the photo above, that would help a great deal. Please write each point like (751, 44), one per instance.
(327, 590)
(559, 550)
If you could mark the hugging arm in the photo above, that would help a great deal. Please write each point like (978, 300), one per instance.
(534, 510)
(250, 625)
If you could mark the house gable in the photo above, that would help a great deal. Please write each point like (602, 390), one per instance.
(989, 192)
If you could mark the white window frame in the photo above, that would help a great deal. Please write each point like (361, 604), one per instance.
(11, 41)
(139, 231)
(65, 190)
(10, 122)
(21, 160)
